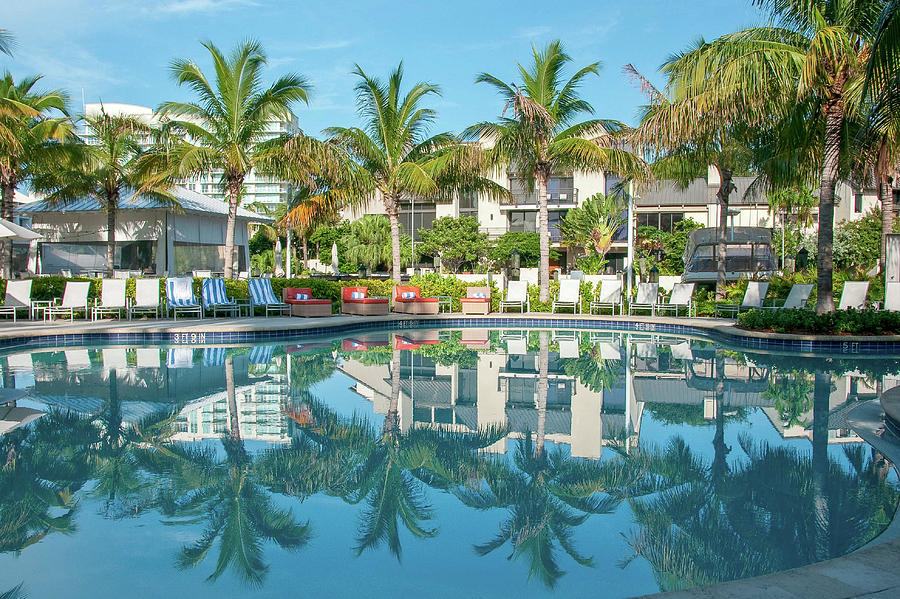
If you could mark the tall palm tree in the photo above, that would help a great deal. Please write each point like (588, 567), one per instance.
(6, 42)
(226, 126)
(544, 137)
(109, 171)
(32, 122)
(392, 158)
(802, 70)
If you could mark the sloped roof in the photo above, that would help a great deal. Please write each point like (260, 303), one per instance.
(191, 201)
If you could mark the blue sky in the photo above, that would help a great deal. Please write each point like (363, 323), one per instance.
(119, 50)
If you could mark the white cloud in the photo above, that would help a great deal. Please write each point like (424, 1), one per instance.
(533, 32)
(332, 45)
(188, 6)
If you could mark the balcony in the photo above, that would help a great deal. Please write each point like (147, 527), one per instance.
(561, 194)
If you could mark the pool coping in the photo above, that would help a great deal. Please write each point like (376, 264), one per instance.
(250, 329)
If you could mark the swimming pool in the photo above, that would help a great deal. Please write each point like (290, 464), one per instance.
(469, 462)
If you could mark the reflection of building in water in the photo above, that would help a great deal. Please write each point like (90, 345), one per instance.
(150, 379)
(496, 388)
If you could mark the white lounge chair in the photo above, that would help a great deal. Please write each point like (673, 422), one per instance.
(610, 296)
(647, 298)
(18, 297)
(682, 297)
(146, 298)
(516, 296)
(892, 296)
(75, 299)
(147, 357)
(753, 298)
(77, 359)
(112, 299)
(114, 358)
(516, 342)
(854, 295)
(682, 351)
(569, 296)
(568, 345)
(797, 297)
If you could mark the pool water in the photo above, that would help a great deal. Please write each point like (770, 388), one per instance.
(451, 463)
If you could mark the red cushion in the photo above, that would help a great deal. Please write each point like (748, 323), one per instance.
(366, 300)
(346, 291)
(475, 300)
(317, 302)
(416, 299)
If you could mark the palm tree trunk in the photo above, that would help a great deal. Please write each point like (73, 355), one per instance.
(392, 418)
(234, 424)
(821, 397)
(541, 178)
(235, 183)
(8, 192)
(305, 254)
(540, 402)
(112, 206)
(886, 194)
(834, 120)
(725, 187)
(719, 467)
(392, 205)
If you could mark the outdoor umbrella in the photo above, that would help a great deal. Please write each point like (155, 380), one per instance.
(9, 230)
(278, 270)
(334, 258)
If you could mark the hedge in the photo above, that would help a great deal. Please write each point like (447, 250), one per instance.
(842, 322)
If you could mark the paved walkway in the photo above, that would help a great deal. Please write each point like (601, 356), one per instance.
(868, 573)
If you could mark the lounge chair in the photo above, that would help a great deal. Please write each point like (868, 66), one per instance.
(114, 358)
(682, 297)
(180, 357)
(262, 295)
(569, 296)
(356, 300)
(146, 298)
(214, 356)
(408, 300)
(202, 274)
(753, 299)
(568, 344)
(477, 300)
(262, 355)
(180, 297)
(112, 299)
(304, 304)
(75, 299)
(516, 296)
(18, 297)
(516, 342)
(892, 296)
(77, 360)
(682, 351)
(647, 298)
(797, 298)
(215, 298)
(147, 357)
(854, 295)
(610, 296)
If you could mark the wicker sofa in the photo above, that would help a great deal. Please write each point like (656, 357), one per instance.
(477, 300)
(356, 300)
(408, 300)
(309, 307)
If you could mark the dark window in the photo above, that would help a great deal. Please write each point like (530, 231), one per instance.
(561, 188)
(468, 204)
(611, 182)
(554, 219)
(522, 220)
(858, 203)
(664, 221)
(421, 218)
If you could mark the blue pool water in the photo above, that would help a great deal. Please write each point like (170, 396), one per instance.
(477, 463)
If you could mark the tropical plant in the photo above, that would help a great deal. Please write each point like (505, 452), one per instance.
(857, 243)
(455, 240)
(32, 123)
(6, 42)
(593, 225)
(108, 170)
(226, 126)
(543, 136)
(527, 244)
(802, 71)
(792, 394)
(368, 242)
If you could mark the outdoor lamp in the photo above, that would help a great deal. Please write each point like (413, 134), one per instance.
(515, 259)
(437, 261)
(654, 274)
(802, 259)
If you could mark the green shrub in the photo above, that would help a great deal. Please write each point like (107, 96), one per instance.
(842, 322)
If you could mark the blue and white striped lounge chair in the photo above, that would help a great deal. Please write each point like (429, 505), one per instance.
(262, 354)
(180, 357)
(213, 356)
(215, 297)
(180, 297)
(262, 295)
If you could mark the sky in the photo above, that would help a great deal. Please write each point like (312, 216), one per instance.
(120, 50)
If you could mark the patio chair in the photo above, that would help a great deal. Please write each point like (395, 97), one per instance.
(114, 358)
(356, 300)
(262, 295)
(304, 304)
(75, 299)
(180, 297)
(610, 296)
(477, 300)
(682, 351)
(214, 356)
(180, 357)
(215, 298)
(647, 298)
(516, 342)
(568, 343)
(516, 296)
(797, 298)
(892, 296)
(682, 297)
(262, 354)
(408, 300)
(569, 296)
(146, 298)
(18, 297)
(77, 359)
(753, 299)
(147, 357)
(112, 299)
(854, 295)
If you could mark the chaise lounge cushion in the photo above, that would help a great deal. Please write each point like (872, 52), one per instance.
(409, 293)
(290, 297)
(347, 296)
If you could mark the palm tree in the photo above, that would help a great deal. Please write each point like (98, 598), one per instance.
(543, 135)
(6, 42)
(802, 71)
(227, 123)
(593, 225)
(29, 137)
(368, 241)
(392, 158)
(109, 171)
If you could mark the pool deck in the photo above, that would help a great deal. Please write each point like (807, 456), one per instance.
(868, 573)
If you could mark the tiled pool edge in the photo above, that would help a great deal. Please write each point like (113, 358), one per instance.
(213, 331)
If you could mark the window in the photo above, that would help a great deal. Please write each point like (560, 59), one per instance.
(91, 256)
(468, 204)
(664, 221)
(422, 218)
(522, 221)
(858, 203)
(198, 256)
(561, 188)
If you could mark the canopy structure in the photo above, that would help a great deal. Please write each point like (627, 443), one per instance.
(748, 252)
(10, 230)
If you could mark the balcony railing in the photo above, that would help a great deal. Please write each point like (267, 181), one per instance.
(564, 197)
